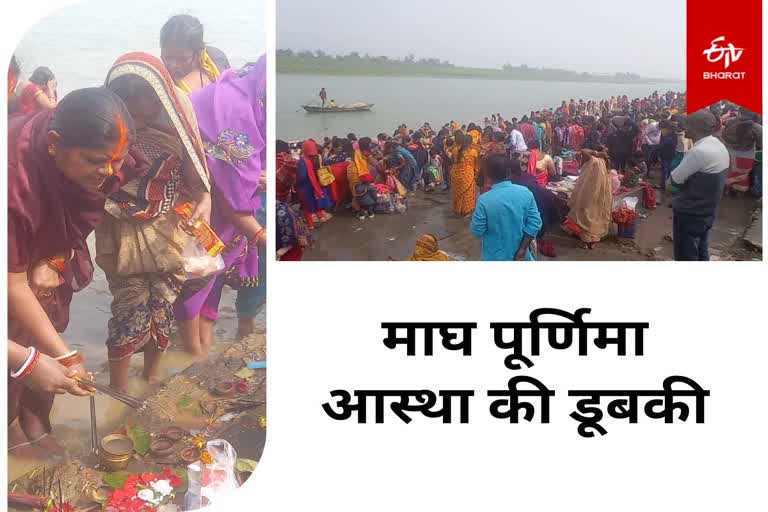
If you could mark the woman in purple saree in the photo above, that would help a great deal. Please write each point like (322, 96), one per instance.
(231, 115)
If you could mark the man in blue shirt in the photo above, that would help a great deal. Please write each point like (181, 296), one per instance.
(506, 218)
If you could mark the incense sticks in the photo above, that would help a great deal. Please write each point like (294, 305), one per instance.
(94, 434)
(128, 400)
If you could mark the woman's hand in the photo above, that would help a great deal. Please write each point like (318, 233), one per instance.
(43, 279)
(49, 376)
(51, 89)
(262, 241)
(263, 182)
(202, 209)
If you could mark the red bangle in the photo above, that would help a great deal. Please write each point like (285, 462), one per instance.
(71, 360)
(57, 264)
(30, 366)
(258, 236)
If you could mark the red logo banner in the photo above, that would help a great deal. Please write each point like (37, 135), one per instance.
(725, 53)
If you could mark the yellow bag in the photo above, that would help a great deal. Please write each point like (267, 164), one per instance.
(401, 188)
(325, 176)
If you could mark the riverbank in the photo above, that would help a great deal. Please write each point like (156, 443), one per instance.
(345, 238)
(345, 67)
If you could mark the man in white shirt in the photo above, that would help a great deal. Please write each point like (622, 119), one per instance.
(701, 178)
(651, 138)
(517, 141)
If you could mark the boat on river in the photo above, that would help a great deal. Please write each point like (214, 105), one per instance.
(338, 109)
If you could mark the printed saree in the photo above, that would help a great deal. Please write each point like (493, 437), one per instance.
(140, 243)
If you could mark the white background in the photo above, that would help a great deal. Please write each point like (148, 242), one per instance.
(707, 323)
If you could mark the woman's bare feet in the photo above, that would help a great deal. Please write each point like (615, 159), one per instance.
(50, 446)
(18, 443)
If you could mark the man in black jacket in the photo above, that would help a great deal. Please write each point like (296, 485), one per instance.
(701, 178)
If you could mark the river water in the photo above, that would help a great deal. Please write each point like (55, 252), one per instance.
(80, 42)
(417, 100)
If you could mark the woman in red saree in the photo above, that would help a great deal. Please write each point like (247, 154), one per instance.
(39, 93)
(57, 163)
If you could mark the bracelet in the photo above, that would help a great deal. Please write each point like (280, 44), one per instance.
(70, 359)
(258, 236)
(68, 354)
(57, 264)
(28, 365)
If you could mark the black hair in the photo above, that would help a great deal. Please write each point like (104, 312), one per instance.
(515, 169)
(347, 147)
(499, 136)
(183, 30)
(748, 114)
(497, 168)
(464, 141)
(41, 76)
(352, 137)
(90, 118)
(534, 144)
(389, 146)
(382, 136)
(282, 147)
(666, 123)
(364, 143)
(130, 86)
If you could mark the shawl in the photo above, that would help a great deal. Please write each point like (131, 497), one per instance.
(179, 113)
(427, 250)
(409, 158)
(361, 163)
(48, 215)
(592, 200)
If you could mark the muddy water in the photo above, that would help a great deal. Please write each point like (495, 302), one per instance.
(87, 332)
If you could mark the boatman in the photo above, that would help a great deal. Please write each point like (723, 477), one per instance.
(323, 96)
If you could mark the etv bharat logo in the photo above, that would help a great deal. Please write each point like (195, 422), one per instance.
(729, 54)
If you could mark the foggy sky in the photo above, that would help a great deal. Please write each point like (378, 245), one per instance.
(600, 36)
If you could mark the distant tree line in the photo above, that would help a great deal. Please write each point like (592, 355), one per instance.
(356, 58)
(353, 63)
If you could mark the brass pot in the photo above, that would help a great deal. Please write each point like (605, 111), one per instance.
(116, 451)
